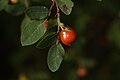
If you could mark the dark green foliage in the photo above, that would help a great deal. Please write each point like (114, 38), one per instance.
(15, 9)
(3, 4)
(32, 32)
(47, 40)
(114, 33)
(65, 6)
(55, 57)
(37, 12)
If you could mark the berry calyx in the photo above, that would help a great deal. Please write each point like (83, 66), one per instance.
(67, 36)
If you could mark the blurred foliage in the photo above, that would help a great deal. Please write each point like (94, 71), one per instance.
(97, 49)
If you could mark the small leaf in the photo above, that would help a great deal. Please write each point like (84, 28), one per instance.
(48, 40)
(3, 3)
(55, 57)
(37, 12)
(32, 32)
(65, 6)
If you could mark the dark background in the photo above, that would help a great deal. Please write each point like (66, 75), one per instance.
(96, 50)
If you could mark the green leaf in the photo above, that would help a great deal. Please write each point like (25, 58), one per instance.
(32, 32)
(37, 12)
(3, 4)
(25, 22)
(50, 36)
(15, 9)
(65, 6)
(55, 57)
(52, 23)
(48, 40)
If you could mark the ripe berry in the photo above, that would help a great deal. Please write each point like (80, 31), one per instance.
(13, 1)
(67, 36)
(82, 72)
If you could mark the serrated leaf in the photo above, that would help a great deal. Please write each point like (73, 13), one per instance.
(65, 6)
(48, 40)
(55, 57)
(15, 9)
(32, 32)
(3, 3)
(37, 12)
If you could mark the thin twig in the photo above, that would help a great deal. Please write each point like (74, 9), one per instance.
(58, 10)
(58, 20)
(53, 3)
(58, 16)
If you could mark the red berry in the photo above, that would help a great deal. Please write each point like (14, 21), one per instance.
(14, 1)
(67, 36)
(82, 72)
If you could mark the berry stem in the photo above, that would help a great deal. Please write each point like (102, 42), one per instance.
(60, 25)
(58, 20)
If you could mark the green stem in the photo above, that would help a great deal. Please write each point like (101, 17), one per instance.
(27, 4)
(60, 25)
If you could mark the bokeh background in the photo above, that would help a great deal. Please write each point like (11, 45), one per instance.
(95, 55)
